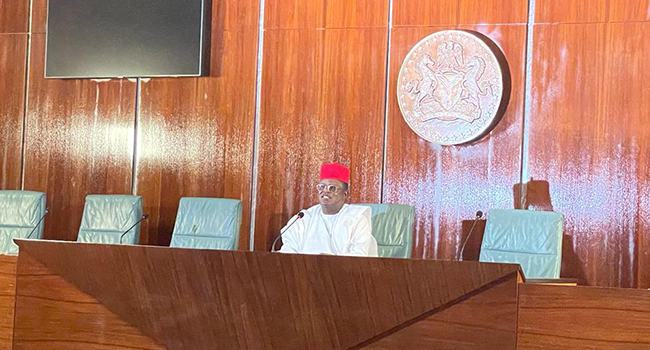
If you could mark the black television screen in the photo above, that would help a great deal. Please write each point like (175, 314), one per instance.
(125, 38)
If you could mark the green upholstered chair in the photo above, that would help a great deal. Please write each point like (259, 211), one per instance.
(392, 226)
(20, 214)
(107, 217)
(533, 239)
(207, 223)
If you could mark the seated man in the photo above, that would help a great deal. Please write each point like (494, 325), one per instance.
(331, 227)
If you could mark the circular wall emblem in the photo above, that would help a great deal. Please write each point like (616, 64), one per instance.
(452, 88)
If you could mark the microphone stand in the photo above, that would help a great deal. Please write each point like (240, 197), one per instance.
(479, 215)
(299, 216)
(47, 210)
(144, 216)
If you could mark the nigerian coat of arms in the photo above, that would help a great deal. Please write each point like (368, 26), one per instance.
(451, 87)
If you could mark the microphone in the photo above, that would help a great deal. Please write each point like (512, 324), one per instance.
(47, 210)
(298, 217)
(144, 216)
(479, 215)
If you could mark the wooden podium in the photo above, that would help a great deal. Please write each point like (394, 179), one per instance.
(96, 296)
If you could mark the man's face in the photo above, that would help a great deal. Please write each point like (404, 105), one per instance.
(329, 195)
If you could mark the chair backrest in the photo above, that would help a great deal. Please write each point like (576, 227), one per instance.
(20, 212)
(107, 217)
(207, 223)
(533, 239)
(392, 226)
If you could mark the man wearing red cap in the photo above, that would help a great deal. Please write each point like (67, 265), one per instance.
(332, 226)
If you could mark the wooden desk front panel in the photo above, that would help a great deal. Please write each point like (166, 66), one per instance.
(485, 319)
(569, 318)
(7, 300)
(139, 297)
(52, 314)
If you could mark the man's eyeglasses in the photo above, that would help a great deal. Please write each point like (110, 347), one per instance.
(329, 188)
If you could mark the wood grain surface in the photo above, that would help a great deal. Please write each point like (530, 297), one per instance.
(78, 141)
(74, 319)
(629, 10)
(432, 178)
(327, 78)
(485, 319)
(298, 14)
(39, 16)
(425, 12)
(493, 12)
(7, 300)
(195, 136)
(571, 11)
(588, 140)
(198, 299)
(315, 110)
(625, 74)
(563, 318)
(14, 16)
(13, 50)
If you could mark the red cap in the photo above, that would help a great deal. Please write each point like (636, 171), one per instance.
(335, 171)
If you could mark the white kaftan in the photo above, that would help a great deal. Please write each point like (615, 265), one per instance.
(349, 232)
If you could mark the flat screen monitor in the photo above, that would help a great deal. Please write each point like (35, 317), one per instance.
(126, 38)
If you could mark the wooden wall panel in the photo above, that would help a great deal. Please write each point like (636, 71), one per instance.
(449, 12)
(14, 16)
(290, 104)
(571, 11)
(13, 49)
(568, 318)
(296, 14)
(79, 141)
(39, 16)
(195, 136)
(352, 107)
(425, 12)
(493, 11)
(629, 10)
(322, 101)
(449, 184)
(360, 13)
(79, 136)
(234, 15)
(578, 144)
(626, 115)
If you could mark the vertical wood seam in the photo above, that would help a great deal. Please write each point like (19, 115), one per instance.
(28, 53)
(136, 124)
(24, 136)
(134, 156)
(257, 121)
(525, 125)
(382, 174)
